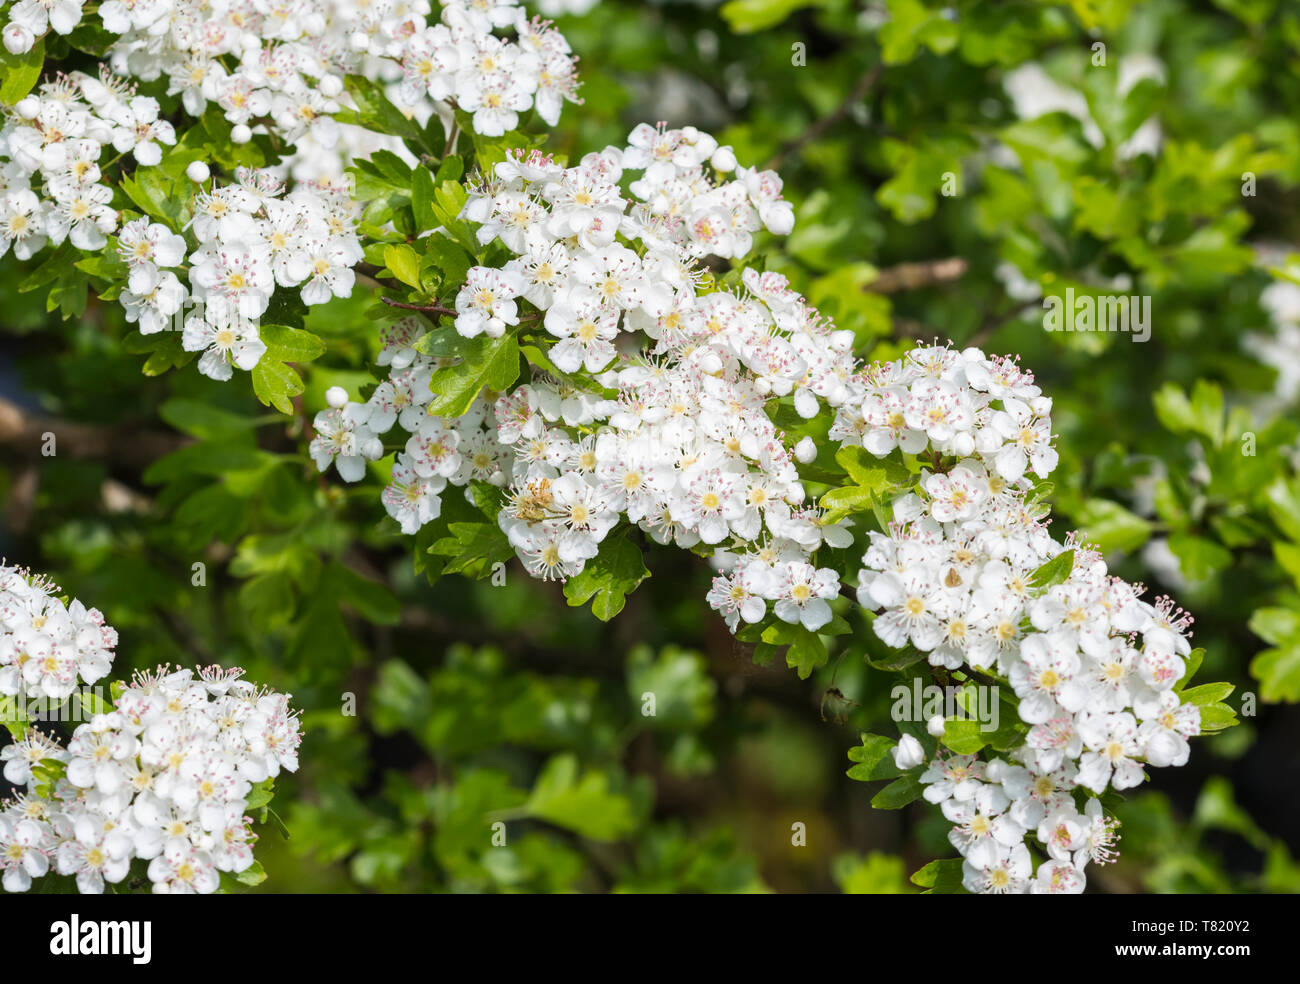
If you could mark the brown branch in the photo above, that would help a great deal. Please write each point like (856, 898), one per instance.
(426, 308)
(993, 322)
(910, 276)
(826, 122)
(25, 434)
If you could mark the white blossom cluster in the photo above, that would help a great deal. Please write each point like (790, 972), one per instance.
(274, 68)
(252, 239)
(461, 62)
(657, 414)
(51, 186)
(1280, 348)
(163, 776)
(46, 644)
(1092, 666)
(279, 66)
(934, 400)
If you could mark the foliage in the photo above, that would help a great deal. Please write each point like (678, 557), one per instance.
(949, 166)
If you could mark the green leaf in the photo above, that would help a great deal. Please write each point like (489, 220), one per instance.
(1278, 673)
(261, 794)
(473, 548)
(448, 200)
(1055, 571)
(404, 263)
(748, 16)
(1207, 693)
(608, 578)
(12, 717)
(275, 384)
(583, 804)
(203, 420)
(422, 199)
(19, 73)
(254, 874)
(899, 793)
(1198, 558)
(1202, 414)
(1276, 626)
(942, 877)
(873, 759)
(92, 703)
(965, 736)
(375, 112)
(290, 344)
(1109, 526)
(806, 652)
(1194, 660)
(912, 24)
(1217, 717)
(491, 363)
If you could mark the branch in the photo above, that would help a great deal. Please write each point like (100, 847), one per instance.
(426, 308)
(993, 322)
(25, 432)
(910, 276)
(826, 122)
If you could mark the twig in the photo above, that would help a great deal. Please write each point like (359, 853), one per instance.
(426, 308)
(24, 433)
(993, 322)
(826, 122)
(910, 276)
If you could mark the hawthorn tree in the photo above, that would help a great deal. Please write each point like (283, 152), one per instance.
(516, 353)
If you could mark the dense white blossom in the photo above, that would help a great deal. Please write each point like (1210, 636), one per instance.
(163, 775)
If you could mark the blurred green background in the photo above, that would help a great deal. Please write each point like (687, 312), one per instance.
(949, 165)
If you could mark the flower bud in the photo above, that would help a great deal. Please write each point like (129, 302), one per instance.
(240, 133)
(198, 172)
(724, 160)
(936, 725)
(908, 753)
(336, 397)
(806, 451)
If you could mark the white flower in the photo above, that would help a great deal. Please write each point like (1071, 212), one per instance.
(342, 437)
(802, 594)
(236, 343)
(22, 224)
(139, 130)
(152, 297)
(1112, 743)
(908, 753)
(22, 856)
(486, 303)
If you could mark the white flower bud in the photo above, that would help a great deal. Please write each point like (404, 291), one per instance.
(724, 160)
(936, 725)
(908, 753)
(28, 107)
(336, 397)
(198, 172)
(806, 451)
(240, 133)
(330, 86)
